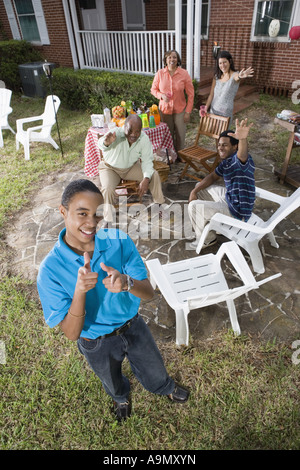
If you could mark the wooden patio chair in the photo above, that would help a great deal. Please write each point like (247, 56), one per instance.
(131, 188)
(198, 157)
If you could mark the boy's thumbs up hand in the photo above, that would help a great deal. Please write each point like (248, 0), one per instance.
(113, 282)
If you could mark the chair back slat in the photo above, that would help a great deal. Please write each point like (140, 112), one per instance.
(212, 125)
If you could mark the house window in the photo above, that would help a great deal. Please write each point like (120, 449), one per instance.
(27, 20)
(204, 16)
(265, 12)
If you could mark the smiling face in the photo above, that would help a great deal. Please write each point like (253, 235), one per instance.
(225, 148)
(224, 65)
(133, 129)
(81, 220)
(172, 60)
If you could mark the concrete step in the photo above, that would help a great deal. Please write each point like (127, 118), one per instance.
(245, 90)
(203, 92)
(245, 101)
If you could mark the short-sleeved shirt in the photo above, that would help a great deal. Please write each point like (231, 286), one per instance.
(105, 311)
(240, 185)
(122, 155)
(179, 84)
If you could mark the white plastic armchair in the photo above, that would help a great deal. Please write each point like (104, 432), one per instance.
(198, 282)
(41, 133)
(248, 234)
(5, 110)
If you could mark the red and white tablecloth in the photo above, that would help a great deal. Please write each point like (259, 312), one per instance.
(160, 137)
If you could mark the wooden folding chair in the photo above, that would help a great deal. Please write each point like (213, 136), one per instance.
(131, 188)
(198, 157)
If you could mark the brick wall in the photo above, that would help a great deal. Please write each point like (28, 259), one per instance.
(156, 15)
(59, 49)
(113, 13)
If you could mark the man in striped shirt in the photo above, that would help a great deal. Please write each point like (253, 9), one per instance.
(237, 197)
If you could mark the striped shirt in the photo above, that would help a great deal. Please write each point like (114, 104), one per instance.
(240, 185)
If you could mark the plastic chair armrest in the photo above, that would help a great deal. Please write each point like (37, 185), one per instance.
(226, 219)
(31, 119)
(269, 196)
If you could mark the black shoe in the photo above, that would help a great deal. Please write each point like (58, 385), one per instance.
(180, 394)
(122, 410)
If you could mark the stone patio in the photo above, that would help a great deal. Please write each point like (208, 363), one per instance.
(273, 311)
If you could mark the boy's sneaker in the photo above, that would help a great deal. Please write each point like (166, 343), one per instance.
(179, 395)
(122, 410)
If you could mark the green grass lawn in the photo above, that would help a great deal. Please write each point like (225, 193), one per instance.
(244, 394)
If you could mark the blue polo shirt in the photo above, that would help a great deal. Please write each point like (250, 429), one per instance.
(240, 185)
(105, 311)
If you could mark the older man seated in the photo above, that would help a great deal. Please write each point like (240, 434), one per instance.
(127, 154)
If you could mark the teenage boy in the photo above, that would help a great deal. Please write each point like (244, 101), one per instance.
(91, 285)
(237, 196)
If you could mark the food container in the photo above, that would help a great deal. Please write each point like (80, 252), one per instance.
(97, 120)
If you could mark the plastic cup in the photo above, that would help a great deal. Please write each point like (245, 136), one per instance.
(145, 122)
(203, 111)
(152, 122)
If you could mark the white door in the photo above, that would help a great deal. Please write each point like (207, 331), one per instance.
(133, 15)
(93, 15)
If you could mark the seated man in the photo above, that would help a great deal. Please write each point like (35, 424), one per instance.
(237, 197)
(127, 154)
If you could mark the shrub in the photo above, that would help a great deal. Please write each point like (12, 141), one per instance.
(94, 90)
(12, 54)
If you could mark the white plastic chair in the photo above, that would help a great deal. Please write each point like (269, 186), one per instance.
(5, 110)
(198, 282)
(41, 133)
(248, 234)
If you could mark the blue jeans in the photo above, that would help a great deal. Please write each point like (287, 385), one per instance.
(105, 357)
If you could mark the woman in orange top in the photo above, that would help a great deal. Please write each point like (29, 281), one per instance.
(169, 85)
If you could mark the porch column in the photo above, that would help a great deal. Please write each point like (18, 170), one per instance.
(189, 36)
(197, 39)
(178, 23)
(70, 34)
(76, 33)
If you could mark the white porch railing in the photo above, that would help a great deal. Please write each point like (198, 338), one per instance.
(128, 51)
